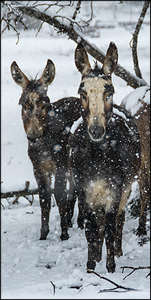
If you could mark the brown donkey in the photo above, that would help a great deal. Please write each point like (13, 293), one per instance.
(141, 113)
(104, 157)
(47, 126)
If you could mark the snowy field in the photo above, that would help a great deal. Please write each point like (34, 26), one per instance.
(30, 268)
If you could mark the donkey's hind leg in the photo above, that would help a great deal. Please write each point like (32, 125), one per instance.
(80, 219)
(144, 185)
(120, 219)
(71, 196)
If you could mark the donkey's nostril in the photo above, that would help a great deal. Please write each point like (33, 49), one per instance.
(96, 132)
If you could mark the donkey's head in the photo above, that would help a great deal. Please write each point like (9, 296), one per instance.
(96, 90)
(34, 99)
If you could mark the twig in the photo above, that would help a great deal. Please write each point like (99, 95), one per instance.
(91, 13)
(39, 28)
(135, 37)
(116, 284)
(12, 16)
(134, 269)
(148, 275)
(54, 287)
(2, 205)
(76, 10)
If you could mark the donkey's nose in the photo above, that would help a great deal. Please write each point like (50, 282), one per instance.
(96, 132)
(33, 137)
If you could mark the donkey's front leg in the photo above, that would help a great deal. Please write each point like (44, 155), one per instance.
(80, 219)
(90, 232)
(61, 197)
(45, 204)
(95, 235)
(110, 230)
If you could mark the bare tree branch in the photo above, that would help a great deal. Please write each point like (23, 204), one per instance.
(23, 193)
(114, 283)
(77, 37)
(11, 16)
(135, 39)
(133, 270)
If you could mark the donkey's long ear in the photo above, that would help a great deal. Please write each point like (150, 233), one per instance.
(82, 60)
(19, 77)
(111, 59)
(48, 74)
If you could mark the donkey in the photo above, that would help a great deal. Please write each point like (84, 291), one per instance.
(141, 113)
(104, 158)
(47, 126)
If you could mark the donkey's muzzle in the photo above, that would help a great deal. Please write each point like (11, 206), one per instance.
(33, 137)
(96, 132)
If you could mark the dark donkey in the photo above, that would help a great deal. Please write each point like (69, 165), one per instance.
(47, 126)
(105, 157)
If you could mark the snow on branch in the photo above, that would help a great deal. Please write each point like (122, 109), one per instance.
(69, 29)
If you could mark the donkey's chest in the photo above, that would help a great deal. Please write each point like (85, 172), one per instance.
(47, 165)
(90, 163)
(43, 159)
(99, 193)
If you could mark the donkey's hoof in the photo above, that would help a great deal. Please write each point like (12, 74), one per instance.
(110, 267)
(91, 266)
(64, 237)
(69, 224)
(43, 238)
(44, 234)
(80, 223)
(98, 255)
(141, 231)
(118, 252)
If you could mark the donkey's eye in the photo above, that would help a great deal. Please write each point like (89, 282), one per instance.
(81, 90)
(84, 97)
(30, 107)
(24, 107)
(109, 98)
(43, 107)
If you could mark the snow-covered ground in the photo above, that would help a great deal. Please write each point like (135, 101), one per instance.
(30, 268)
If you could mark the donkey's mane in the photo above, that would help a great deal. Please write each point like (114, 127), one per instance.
(97, 71)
